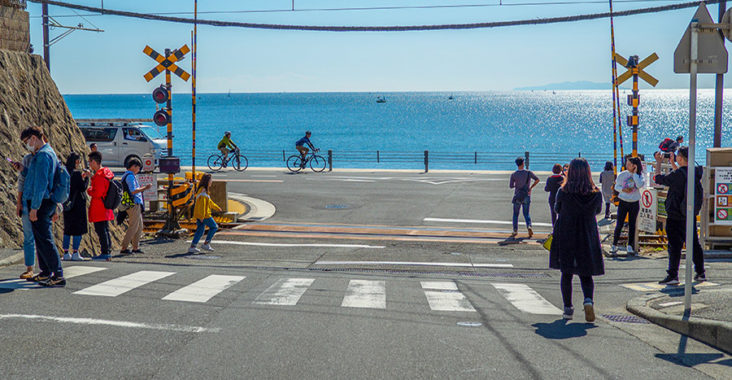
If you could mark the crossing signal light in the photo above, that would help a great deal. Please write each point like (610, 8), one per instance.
(160, 94)
(161, 118)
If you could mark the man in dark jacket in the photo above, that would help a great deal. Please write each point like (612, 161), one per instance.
(676, 214)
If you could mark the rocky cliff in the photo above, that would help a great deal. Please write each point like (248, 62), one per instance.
(29, 97)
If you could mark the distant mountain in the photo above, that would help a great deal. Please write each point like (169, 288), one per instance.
(581, 85)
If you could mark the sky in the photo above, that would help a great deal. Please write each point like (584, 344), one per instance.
(253, 60)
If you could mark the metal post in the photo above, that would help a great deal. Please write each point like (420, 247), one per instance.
(579, 154)
(690, 178)
(476, 158)
(526, 160)
(378, 159)
(426, 161)
(633, 101)
(193, 91)
(171, 225)
(46, 45)
(330, 160)
(283, 156)
(719, 93)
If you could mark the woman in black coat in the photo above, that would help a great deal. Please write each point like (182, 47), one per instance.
(576, 244)
(75, 224)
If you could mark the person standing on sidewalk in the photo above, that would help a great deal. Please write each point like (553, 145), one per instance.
(576, 245)
(37, 189)
(607, 179)
(202, 213)
(520, 182)
(628, 185)
(135, 224)
(553, 184)
(98, 214)
(75, 225)
(676, 214)
(29, 244)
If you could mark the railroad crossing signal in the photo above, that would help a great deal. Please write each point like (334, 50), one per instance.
(640, 66)
(167, 63)
(635, 70)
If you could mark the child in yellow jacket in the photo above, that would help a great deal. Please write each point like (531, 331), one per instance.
(202, 213)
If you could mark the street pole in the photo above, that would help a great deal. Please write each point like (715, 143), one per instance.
(193, 89)
(46, 45)
(719, 93)
(691, 169)
(171, 223)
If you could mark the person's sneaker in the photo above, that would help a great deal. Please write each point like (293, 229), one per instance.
(514, 233)
(137, 251)
(78, 257)
(568, 312)
(531, 232)
(700, 277)
(102, 258)
(669, 280)
(67, 256)
(193, 250)
(125, 252)
(53, 282)
(207, 247)
(26, 275)
(589, 310)
(38, 278)
(630, 250)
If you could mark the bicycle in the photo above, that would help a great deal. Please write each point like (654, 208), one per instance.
(316, 161)
(238, 161)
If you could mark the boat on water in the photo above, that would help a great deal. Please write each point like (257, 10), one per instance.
(450, 97)
(380, 99)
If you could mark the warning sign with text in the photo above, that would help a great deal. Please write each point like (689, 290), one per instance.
(648, 208)
(722, 195)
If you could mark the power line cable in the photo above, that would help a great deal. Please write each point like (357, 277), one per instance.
(395, 28)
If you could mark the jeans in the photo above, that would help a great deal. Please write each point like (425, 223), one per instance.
(516, 206)
(588, 287)
(676, 232)
(77, 242)
(630, 209)
(201, 226)
(29, 243)
(102, 229)
(48, 259)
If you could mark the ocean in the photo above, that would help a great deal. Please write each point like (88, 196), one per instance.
(473, 130)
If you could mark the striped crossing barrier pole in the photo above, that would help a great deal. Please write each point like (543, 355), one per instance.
(614, 73)
(193, 90)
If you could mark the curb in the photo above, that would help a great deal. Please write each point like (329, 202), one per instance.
(259, 210)
(12, 260)
(717, 334)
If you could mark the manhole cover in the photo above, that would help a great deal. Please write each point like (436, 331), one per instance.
(469, 324)
(339, 206)
(625, 318)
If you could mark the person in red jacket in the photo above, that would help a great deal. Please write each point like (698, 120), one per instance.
(98, 214)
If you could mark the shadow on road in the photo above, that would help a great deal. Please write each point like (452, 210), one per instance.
(559, 329)
(691, 360)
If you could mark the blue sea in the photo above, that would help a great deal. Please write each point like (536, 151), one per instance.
(473, 130)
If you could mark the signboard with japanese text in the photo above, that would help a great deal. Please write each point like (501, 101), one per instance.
(648, 208)
(150, 194)
(723, 196)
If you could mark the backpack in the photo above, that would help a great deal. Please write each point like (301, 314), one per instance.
(698, 197)
(127, 200)
(61, 184)
(114, 195)
(666, 144)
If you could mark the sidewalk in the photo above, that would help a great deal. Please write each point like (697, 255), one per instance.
(711, 313)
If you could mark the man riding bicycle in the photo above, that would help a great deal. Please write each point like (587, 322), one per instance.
(224, 145)
(300, 146)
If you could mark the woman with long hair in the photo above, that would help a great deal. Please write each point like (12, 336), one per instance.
(202, 213)
(628, 185)
(575, 248)
(75, 222)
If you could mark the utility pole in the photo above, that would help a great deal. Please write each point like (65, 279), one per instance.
(46, 45)
(719, 92)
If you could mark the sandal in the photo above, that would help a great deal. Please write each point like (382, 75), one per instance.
(27, 274)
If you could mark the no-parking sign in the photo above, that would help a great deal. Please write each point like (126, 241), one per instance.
(723, 195)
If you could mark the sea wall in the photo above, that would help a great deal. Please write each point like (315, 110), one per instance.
(29, 97)
(14, 34)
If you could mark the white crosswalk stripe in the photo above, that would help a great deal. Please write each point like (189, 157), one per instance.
(284, 292)
(445, 296)
(526, 299)
(365, 294)
(124, 284)
(203, 290)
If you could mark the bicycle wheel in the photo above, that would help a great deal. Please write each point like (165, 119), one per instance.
(239, 163)
(214, 162)
(293, 163)
(317, 163)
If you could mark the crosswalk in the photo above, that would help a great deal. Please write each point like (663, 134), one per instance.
(440, 295)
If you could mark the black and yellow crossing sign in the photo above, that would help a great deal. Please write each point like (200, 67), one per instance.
(166, 63)
(639, 66)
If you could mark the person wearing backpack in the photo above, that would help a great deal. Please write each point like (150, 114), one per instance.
(676, 214)
(99, 214)
(75, 224)
(134, 191)
(39, 190)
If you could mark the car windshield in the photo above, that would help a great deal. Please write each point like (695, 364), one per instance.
(151, 132)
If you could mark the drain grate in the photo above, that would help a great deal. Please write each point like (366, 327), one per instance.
(625, 318)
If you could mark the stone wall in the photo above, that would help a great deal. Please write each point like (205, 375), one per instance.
(14, 33)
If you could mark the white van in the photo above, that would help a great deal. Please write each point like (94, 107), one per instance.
(120, 140)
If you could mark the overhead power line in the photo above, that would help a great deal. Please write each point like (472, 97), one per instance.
(396, 28)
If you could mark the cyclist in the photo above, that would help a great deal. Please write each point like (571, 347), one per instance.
(224, 146)
(300, 146)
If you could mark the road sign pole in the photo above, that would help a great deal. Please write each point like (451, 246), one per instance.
(691, 170)
(634, 102)
(171, 225)
(719, 93)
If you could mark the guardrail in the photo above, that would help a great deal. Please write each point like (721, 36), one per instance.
(423, 159)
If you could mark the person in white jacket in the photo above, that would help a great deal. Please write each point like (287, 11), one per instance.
(628, 185)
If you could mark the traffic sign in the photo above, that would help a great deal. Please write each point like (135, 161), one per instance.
(166, 63)
(640, 65)
(712, 55)
(148, 163)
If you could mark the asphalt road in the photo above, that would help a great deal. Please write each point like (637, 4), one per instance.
(347, 280)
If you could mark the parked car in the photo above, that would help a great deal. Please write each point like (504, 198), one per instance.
(120, 140)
